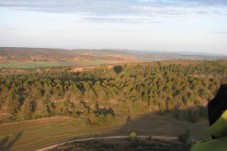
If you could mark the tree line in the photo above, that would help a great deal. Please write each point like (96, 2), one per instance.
(179, 89)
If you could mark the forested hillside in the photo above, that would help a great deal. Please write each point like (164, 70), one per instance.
(179, 88)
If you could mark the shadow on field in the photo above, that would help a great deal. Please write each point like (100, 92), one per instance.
(169, 124)
(117, 69)
(7, 142)
(149, 125)
(154, 124)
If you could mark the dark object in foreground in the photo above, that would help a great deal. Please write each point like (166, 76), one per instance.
(124, 145)
(217, 105)
(217, 115)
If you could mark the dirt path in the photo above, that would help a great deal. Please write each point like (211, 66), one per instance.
(168, 138)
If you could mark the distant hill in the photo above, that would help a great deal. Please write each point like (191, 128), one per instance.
(42, 57)
(11, 57)
(163, 55)
(51, 53)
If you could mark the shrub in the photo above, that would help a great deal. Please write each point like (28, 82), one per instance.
(100, 119)
(132, 135)
(92, 119)
(109, 118)
(184, 138)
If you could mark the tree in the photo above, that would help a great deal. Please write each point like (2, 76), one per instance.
(27, 109)
(12, 102)
(109, 119)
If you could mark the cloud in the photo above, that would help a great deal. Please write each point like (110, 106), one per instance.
(12, 28)
(112, 7)
(120, 19)
(113, 20)
(219, 32)
(209, 2)
(104, 10)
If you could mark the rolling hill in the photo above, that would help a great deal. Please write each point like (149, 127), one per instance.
(11, 57)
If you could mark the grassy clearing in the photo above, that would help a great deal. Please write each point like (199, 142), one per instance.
(153, 124)
(99, 62)
(54, 63)
(35, 134)
(27, 65)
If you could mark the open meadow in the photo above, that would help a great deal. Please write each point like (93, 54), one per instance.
(35, 134)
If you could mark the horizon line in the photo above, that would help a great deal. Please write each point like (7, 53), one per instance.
(125, 49)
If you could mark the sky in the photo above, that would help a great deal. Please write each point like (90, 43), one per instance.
(151, 25)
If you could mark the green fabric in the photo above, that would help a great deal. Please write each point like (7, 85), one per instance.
(219, 144)
(219, 128)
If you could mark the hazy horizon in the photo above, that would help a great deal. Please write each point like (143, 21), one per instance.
(194, 26)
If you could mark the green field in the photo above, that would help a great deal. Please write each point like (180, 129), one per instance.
(34, 134)
(54, 63)
(26, 65)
